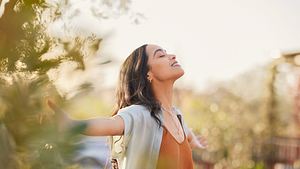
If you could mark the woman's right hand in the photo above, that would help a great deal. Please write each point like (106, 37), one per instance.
(94, 127)
(53, 106)
(62, 118)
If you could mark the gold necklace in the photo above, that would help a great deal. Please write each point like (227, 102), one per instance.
(171, 114)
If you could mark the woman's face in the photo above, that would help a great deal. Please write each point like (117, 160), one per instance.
(163, 66)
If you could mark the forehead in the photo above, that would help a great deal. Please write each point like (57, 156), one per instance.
(150, 49)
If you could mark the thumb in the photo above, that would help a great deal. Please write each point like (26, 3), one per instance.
(53, 106)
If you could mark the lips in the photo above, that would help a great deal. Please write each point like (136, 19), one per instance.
(175, 64)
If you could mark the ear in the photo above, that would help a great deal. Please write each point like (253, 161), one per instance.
(149, 76)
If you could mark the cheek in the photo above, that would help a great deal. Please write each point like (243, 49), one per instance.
(163, 72)
(159, 71)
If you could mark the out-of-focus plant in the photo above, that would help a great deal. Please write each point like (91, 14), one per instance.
(226, 120)
(29, 136)
(24, 40)
(232, 117)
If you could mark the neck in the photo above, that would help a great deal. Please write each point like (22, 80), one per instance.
(163, 92)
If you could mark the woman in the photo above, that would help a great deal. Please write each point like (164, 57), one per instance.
(154, 134)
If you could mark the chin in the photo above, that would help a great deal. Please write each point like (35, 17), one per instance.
(182, 72)
(179, 74)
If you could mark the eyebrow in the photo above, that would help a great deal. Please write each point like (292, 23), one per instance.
(157, 50)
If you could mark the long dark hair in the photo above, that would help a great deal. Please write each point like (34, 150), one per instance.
(134, 87)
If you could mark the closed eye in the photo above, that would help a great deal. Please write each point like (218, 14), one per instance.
(161, 53)
(162, 56)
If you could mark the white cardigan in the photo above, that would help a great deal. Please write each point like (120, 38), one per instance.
(142, 138)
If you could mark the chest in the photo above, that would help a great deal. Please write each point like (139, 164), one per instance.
(174, 127)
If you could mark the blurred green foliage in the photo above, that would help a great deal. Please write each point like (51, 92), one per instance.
(22, 40)
(234, 116)
(30, 136)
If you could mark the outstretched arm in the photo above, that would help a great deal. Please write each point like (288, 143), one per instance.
(104, 126)
(95, 127)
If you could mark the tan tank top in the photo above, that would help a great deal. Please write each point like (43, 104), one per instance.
(174, 155)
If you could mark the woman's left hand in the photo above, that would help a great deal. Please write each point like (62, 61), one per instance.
(198, 141)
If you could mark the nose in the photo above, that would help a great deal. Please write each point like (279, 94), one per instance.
(172, 57)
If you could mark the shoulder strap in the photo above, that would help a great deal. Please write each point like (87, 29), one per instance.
(180, 119)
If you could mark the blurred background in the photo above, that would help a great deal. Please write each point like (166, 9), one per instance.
(240, 90)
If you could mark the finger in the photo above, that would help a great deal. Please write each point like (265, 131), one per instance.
(201, 139)
(49, 102)
(199, 145)
(203, 142)
(54, 107)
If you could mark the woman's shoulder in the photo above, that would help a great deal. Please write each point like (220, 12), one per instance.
(135, 109)
(177, 110)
